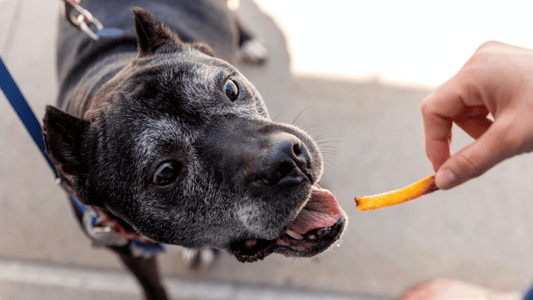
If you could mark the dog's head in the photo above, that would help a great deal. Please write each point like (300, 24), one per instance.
(180, 146)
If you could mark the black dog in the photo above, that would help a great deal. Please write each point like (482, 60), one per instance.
(161, 134)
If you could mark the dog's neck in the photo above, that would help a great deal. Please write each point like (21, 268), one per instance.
(103, 59)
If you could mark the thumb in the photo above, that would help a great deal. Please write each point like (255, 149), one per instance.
(494, 146)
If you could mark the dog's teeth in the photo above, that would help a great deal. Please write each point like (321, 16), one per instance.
(320, 231)
(250, 243)
(294, 235)
(311, 237)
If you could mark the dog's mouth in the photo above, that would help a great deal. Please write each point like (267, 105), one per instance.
(317, 226)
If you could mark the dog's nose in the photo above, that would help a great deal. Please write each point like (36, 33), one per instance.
(286, 161)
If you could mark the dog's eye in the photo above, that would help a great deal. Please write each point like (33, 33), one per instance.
(232, 90)
(167, 173)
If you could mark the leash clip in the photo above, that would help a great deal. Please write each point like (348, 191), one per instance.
(80, 18)
(102, 235)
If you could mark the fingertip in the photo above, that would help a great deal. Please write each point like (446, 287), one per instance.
(477, 158)
(445, 179)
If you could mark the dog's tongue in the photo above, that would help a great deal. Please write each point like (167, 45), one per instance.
(322, 210)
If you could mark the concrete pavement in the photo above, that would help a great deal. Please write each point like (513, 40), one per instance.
(20, 281)
(372, 138)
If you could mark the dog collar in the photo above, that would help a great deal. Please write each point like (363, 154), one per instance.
(107, 222)
(106, 231)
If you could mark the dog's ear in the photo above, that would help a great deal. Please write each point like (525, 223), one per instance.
(63, 136)
(151, 34)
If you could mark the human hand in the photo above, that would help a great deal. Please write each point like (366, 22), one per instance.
(496, 80)
(445, 289)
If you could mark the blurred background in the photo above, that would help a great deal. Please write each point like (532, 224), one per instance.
(356, 73)
(414, 42)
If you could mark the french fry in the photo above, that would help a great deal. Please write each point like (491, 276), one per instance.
(413, 191)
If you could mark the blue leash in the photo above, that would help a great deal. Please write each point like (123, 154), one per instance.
(26, 115)
(23, 110)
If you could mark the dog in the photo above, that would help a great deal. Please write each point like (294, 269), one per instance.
(155, 129)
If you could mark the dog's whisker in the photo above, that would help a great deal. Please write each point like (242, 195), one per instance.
(329, 150)
(296, 119)
(312, 126)
(329, 143)
(308, 127)
(277, 116)
(326, 140)
(330, 166)
(322, 136)
(316, 131)
(327, 154)
(329, 162)
(330, 147)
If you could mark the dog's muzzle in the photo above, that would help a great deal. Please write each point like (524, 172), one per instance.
(316, 227)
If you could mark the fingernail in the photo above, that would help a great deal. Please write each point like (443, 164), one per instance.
(445, 179)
